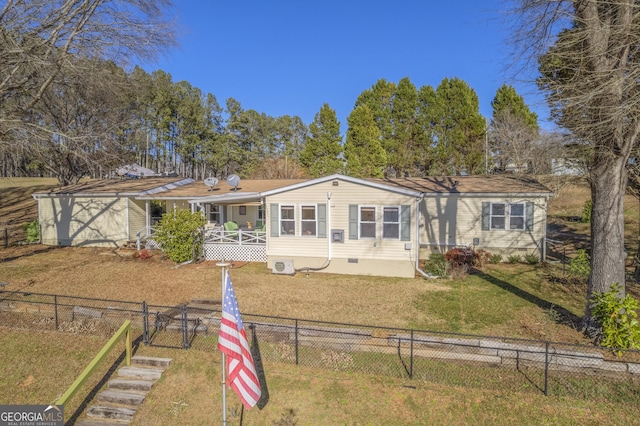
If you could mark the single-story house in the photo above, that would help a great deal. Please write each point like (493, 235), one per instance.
(336, 223)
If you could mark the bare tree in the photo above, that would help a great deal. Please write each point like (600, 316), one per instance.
(512, 142)
(42, 43)
(587, 54)
(38, 38)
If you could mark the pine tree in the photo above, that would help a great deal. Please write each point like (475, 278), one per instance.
(321, 153)
(458, 129)
(363, 151)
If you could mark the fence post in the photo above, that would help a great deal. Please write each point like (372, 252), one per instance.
(145, 323)
(296, 342)
(185, 327)
(55, 309)
(546, 369)
(411, 358)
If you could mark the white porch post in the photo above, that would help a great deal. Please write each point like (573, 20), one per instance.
(147, 207)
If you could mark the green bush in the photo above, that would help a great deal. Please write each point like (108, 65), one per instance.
(619, 319)
(32, 229)
(179, 234)
(513, 259)
(495, 259)
(436, 265)
(531, 259)
(579, 265)
(586, 211)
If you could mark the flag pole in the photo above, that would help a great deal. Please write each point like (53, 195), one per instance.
(223, 265)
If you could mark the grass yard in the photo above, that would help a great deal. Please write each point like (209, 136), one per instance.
(508, 300)
(39, 367)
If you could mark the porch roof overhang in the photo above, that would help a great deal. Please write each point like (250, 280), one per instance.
(228, 198)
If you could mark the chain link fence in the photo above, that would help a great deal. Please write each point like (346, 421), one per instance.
(11, 234)
(495, 363)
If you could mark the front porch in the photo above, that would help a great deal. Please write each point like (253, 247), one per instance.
(246, 245)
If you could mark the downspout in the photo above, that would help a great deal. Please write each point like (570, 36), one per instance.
(420, 271)
(147, 207)
(544, 229)
(328, 226)
(127, 219)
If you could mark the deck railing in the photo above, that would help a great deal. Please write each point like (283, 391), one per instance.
(239, 236)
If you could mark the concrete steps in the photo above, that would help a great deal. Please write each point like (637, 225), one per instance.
(117, 405)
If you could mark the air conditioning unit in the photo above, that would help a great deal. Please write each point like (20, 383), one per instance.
(283, 267)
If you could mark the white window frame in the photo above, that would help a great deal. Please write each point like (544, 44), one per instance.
(504, 216)
(304, 221)
(361, 222)
(282, 221)
(260, 215)
(523, 216)
(215, 214)
(397, 223)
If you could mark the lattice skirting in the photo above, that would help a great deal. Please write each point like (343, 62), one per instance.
(243, 253)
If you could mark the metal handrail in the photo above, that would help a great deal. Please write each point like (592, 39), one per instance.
(124, 331)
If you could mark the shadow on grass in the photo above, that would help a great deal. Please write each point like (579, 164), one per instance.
(15, 252)
(566, 317)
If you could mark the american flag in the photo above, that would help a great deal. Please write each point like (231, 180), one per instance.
(233, 342)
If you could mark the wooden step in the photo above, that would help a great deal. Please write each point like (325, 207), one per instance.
(121, 397)
(177, 327)
(101, 422)
(205, 302)
(140, 373)
(112, 412)
(192, 315)
(150, 361)
(130, 384)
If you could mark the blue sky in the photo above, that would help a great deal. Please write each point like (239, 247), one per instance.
(290, 57)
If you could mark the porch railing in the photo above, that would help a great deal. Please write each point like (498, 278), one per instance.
(239, 237)
(145, 236)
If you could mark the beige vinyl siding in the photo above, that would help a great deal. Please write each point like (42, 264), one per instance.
(95, 222)
(451, 221)
(137, 217)
(370, 254)
(251, 214)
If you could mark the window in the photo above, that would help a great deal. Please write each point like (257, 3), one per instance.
(287, 220)
(308, 220)
(367, 222)
(214, 214)
(498, 215)
(505, 216)
(260, 221)
(391, 222)
(516, 216)
(242, 210)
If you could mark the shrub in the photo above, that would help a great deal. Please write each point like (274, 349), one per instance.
(513, 259)
(32, 229)
(482, 257)
(531, 258)
(461, 256)
(495, 259)
(619, 319)
(579, 265)
(460, 260)
(179, 234)
(586, 211)
(436, 265)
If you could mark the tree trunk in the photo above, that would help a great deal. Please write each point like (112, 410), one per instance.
(608, 185)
